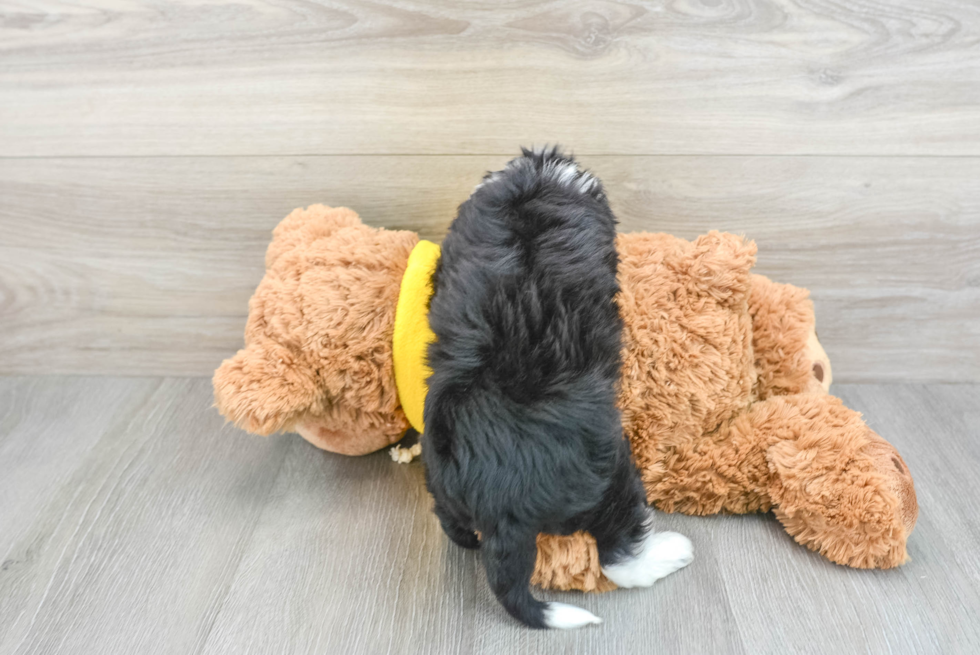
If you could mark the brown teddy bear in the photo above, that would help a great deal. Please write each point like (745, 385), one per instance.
(724, 386)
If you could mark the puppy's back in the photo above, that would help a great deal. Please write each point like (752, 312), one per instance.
(522, 432)
(528, 330)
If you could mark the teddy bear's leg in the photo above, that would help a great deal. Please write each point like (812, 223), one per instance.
(837, 486)
(569, 562)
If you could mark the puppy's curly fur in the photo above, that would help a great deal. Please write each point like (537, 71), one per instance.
(523, 434)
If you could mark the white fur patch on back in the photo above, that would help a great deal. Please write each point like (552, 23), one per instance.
(488, 179)
(562, 171)
(567, 173)
(585, 183)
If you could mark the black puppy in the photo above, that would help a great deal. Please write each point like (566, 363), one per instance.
(522, 431)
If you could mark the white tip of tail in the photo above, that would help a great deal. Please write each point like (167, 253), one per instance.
(568, 617)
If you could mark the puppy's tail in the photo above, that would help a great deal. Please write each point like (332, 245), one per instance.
(508, 557)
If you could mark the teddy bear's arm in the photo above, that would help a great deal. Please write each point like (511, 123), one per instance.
(261, 391)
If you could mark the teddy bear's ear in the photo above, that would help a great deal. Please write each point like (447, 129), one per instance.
(262, 389)
(719, 263)
(305, 226)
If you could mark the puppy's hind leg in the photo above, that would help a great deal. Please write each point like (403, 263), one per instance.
(456, 529)
(630, 553)
(508, 556)
(658, 555)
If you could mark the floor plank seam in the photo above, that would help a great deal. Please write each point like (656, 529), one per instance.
(244, 547)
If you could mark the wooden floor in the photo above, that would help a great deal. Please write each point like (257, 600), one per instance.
(134, 521)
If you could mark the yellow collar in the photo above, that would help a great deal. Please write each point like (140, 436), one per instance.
(412, 332)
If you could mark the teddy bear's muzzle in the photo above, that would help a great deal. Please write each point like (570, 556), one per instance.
(889, 463)
(325, 435)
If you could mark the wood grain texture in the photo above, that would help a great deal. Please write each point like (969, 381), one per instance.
(131, 510)
(312, 583)
(40, 457)
(145, 266)
(153, 530)
(247, 77)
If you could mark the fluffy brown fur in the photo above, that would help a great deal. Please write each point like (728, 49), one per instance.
(318, 340)
(723, 390)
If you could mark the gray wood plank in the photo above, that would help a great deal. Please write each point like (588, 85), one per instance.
(145, 266)
(135, 523)
(47, 427)
(347, 558)
(750, 589)
(409, 76)
(134, 550)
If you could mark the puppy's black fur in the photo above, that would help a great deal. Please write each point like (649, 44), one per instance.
(523, 434)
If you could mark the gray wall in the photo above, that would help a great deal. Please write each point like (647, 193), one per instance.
(143, 161)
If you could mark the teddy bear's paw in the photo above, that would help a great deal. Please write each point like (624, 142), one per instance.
(661, 554)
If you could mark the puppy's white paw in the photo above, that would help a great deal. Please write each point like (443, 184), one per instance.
(661, 554)
(568, 617)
